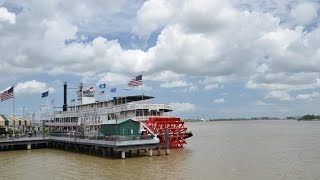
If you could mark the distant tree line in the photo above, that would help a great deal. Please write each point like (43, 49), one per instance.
(309, 117)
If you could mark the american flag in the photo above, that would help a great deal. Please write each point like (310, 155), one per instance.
(7, 94)
(136, 81)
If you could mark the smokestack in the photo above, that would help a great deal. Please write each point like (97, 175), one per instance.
(65, 105)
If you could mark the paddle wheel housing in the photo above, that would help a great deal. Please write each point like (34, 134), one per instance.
(177, 132)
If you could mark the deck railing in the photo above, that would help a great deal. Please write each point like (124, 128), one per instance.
(105, 138)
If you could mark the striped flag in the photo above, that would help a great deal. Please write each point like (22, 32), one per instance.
(136, 81)
(7, 94)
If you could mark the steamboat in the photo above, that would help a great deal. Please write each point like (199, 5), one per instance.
(87, 116)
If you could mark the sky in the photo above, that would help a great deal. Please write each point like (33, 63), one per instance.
(207, 58)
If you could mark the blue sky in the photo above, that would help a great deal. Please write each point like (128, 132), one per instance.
(207, 58)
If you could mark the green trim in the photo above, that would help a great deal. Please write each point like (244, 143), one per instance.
(6, 121)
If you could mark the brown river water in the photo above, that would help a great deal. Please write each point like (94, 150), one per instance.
(218, 150)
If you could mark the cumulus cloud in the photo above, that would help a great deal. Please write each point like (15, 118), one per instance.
(308, 96)
(284, 81)
(113, 79)
(5, 15)
(209, 43)
(151, 16)
(282, 95)
(174, 84)
(183, 106)
(32, 87)
(305, 12)
(165, 76)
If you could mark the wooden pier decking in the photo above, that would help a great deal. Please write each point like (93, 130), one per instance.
(89, 146)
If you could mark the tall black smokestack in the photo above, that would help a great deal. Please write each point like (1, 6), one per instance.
(65, 105)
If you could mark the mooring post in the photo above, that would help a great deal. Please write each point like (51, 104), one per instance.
(29, 146)
(150, 152)
(166, 139)
(158, 150)
(123, 154)
(104, 153)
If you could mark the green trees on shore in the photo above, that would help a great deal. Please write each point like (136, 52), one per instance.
(310, 117)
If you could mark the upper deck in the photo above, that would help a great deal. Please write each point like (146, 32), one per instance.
(118, 104)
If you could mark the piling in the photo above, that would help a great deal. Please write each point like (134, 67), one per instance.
(166, 140)
(123, 154)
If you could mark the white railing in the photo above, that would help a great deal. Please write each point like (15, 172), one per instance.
(144, 118)
(113, 109)
(60, 124)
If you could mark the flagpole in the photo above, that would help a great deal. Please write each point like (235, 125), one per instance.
(13, 109)
(47, 108)
(142, 84)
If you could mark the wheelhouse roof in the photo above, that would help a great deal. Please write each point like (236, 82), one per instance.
(135, 98)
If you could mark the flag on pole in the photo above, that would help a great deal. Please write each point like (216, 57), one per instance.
(102, 86)
(113, 90)
(45, 94)
(7, 94)
(90, 89)
(136, 81)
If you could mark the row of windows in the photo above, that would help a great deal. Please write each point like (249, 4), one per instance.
(147, 113)
(65, 120)
(92, 119)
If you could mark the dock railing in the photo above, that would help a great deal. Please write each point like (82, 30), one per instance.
(105, 138)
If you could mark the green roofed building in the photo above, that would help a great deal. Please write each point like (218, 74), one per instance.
(121, 127)
(12, 121)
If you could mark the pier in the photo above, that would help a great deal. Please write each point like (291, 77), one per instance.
(100, 147)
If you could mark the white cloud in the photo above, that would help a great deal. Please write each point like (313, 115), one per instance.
(281, 95)
(284, 81)
(174, 84)
(151, 16)
(211, 86)
(32, 87)
(165, 76)
(183, 106)
(272, 46)
(192, 88)
(5, 15)
(308, 96)
(261, 103)
(219, 101)
(113, 79)
(305, 12)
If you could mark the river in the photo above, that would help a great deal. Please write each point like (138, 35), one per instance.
(218, 150)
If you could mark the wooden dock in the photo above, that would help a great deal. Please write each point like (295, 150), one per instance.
(84, 145)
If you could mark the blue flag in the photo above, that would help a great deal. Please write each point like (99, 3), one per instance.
(113, 90)
(102, 86)
(45, 94)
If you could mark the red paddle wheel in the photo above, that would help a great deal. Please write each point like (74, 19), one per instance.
(177, 132)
